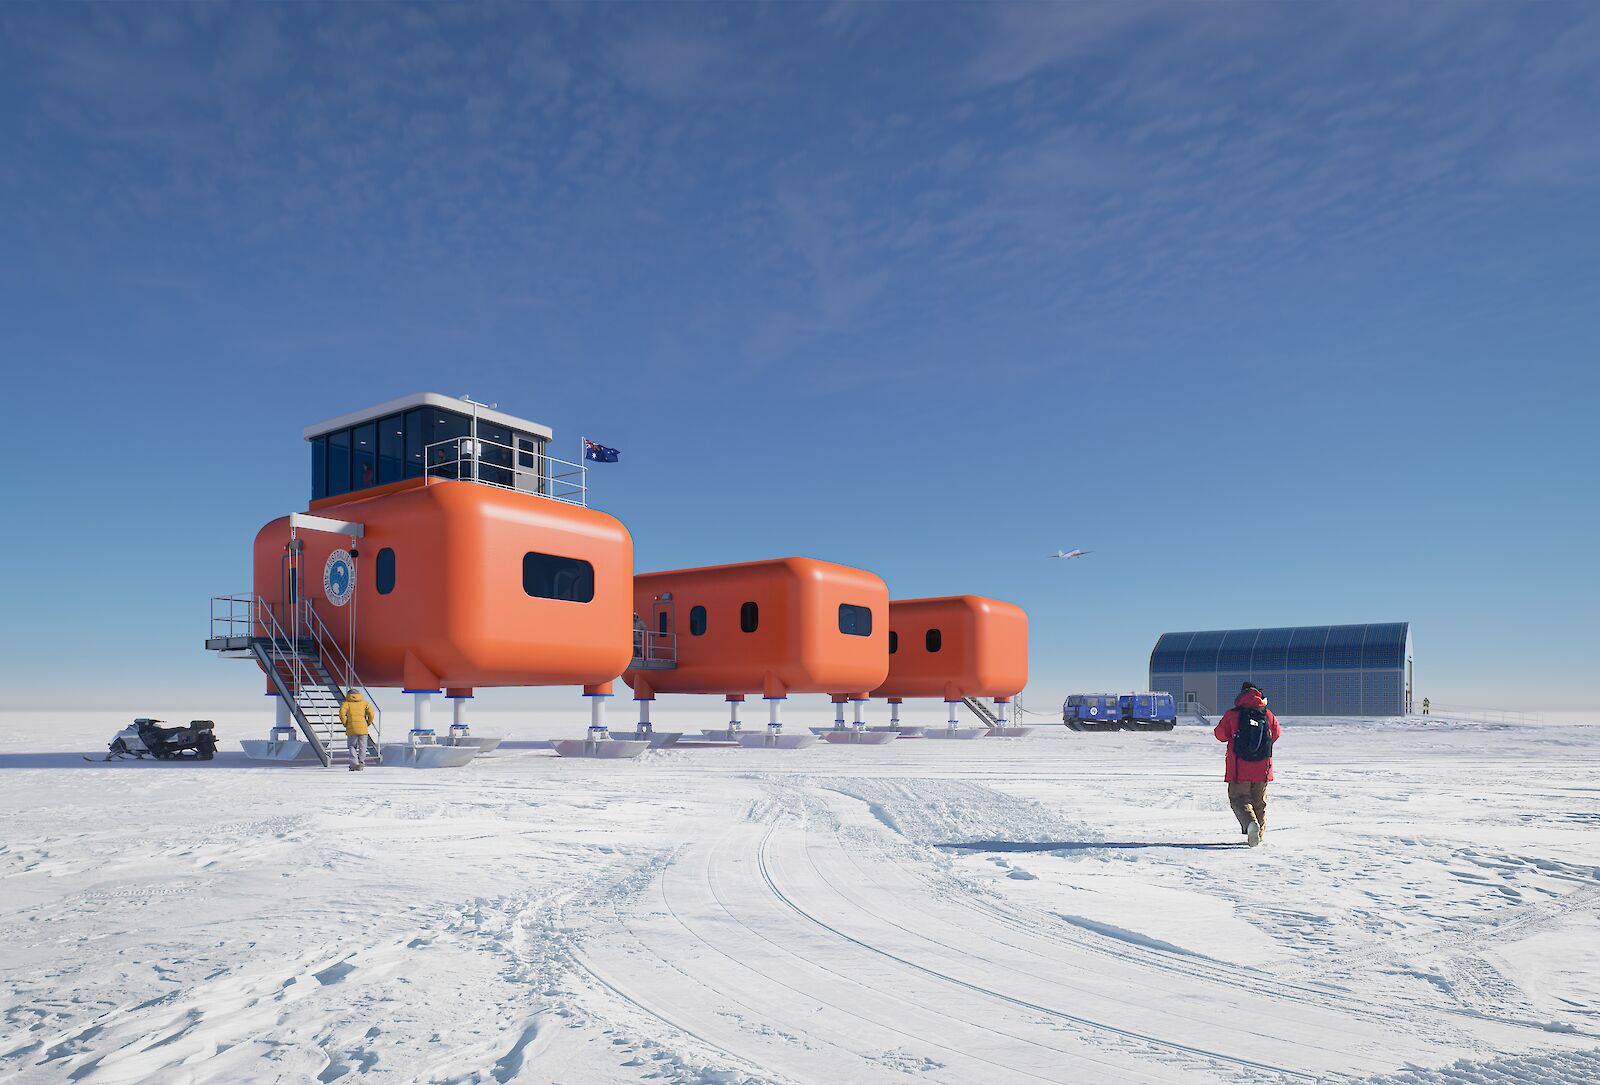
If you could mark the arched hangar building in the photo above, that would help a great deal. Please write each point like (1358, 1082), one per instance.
(1307, 670)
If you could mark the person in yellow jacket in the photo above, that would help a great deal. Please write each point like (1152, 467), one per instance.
(355, 714)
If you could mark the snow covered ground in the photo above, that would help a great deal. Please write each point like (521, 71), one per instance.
(1062, 908)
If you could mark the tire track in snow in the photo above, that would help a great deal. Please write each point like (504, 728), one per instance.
(883, 994)
(646, 1007)
(693, 932)
(1271, 982)
(1120, 952)
(1073, 939)
(1090, 1024)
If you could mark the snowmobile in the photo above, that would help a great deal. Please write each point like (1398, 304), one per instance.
(195, 742)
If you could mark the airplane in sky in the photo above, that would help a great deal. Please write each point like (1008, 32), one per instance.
(1068, 555)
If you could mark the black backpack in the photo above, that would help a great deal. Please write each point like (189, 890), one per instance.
(1252, 741)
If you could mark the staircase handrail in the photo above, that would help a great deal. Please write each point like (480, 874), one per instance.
(981, 710)
(276, 638)
(331, 653)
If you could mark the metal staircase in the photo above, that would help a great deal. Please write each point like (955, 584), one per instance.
(982, 711)
(304, 664)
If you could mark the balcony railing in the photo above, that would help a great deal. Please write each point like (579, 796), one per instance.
(654, 651)
(494, 464)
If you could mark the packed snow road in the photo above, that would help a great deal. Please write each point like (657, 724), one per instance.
(1061, 908)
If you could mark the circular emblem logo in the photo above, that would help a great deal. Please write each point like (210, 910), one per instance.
(338, 577)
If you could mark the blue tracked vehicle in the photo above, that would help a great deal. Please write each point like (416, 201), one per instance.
(1120, 712)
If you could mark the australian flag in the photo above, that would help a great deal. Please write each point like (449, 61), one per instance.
(598, 452)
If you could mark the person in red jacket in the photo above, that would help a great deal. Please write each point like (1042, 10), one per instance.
(1249, 730)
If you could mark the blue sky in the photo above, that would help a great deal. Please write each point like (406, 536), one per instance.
(1288, 312)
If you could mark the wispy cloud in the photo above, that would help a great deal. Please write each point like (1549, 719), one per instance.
(794, 175)
(671, 63)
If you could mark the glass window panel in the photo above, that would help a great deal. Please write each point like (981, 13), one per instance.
(494, 445)
(546, 576)
(385, 570)
(417, 422)
(933, 640)
(319, 468)
(364, 456)
(448, 459)
(894, 642)
(697, 622)
(338, 462)
(749, 617)
(854, 620)
(391, 449)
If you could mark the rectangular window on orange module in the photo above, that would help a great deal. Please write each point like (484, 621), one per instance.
(855, 621)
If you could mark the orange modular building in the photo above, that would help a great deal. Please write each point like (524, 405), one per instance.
(458, 584)
(443, 549)
(954, 648)
(790, 625)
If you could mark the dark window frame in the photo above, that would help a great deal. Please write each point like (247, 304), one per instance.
(933, 641)
(894, 642)
(749, 616)
(697, 621)
(384, 570)
(558, 578)
(319, 467)
(367, 431)
(852, 618)
(391, 449)
(416, 433)
(339, 482)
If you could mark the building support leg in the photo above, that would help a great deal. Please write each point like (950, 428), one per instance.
(645, 727)
(421, 717)
(458, 718)
(282, 721)
(597, 717)
(774, 716)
